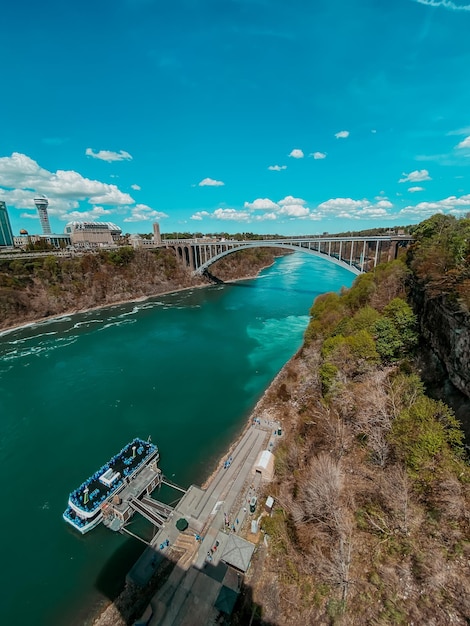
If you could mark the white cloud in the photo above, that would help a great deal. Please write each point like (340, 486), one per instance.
(92, 215)
(290, 200)
(210, 182)
(108, 155)
(318, 155)
(200, 215)
(348, 208)
(460, 131)
(21, 178)
(231, 215)
(136, 187)
(266, 217)
(296, 154)
(415, 176)
(465, 143)
(261, 204)
(415, 189)
(291, 208)
(294, 210)
(447, 4)
(384, 204)
(277, 168)
(265, 204)
(341, 204)
(144, 213)
(452, 205)
(343, 134)
(372, 211)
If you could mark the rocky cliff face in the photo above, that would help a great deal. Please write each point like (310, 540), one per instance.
(445, 329)
(444, 353)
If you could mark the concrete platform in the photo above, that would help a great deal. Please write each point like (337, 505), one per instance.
(207, 575)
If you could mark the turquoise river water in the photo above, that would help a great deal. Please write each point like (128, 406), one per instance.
(185, 368)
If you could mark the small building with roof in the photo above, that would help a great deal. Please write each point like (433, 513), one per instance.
(265, 465)
(237, 552)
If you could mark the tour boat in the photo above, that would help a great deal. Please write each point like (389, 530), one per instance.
(86, 503)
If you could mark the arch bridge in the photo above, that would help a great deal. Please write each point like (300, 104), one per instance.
(356, 254)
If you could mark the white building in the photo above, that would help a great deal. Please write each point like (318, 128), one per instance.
(264, 465)
(92, 234)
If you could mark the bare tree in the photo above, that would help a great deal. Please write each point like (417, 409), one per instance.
(378, 443)
(394, 494)
(322, 490)
(335, 431)
(334, 566)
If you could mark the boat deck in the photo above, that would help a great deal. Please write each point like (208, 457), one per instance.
(130, 473)
(115, 473)
(134, 489)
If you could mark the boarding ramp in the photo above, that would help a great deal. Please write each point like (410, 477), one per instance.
(156, 517)
(162, 509)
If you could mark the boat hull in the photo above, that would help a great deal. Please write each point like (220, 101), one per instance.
(83, 526)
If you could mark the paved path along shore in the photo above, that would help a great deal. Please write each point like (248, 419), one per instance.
(202, 584)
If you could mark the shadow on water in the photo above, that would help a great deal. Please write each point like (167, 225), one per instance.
(233, 602)
(110, 580)
(108, 585)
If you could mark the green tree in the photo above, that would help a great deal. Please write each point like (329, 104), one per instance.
(404, 320)
(387, 338)
(428, 438)
(120, 257)
(365, 318)
(442, 244)
(51, 266)
(326, 313)
(327, 373)
(362, 346)
(360, 293)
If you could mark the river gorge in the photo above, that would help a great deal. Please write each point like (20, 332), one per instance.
(185, 368)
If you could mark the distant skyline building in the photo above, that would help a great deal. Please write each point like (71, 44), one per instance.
(92, 234)
(6, 234)
(42, 203)
(157, 238)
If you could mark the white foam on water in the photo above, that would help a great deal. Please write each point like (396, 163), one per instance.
(86, 323)
(118, 322)
(275, 339)
(41, 349)
(134, 310)
(32, 338)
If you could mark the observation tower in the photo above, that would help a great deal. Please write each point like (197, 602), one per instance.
(42, 203)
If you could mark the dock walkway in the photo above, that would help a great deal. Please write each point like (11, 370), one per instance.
(198, 579)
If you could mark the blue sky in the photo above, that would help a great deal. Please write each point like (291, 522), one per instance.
(267, 116)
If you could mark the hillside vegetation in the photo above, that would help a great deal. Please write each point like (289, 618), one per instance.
(440, 257)
(371, 523)
(31, 289)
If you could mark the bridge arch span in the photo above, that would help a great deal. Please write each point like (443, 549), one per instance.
(322, 255)
(354, 253)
